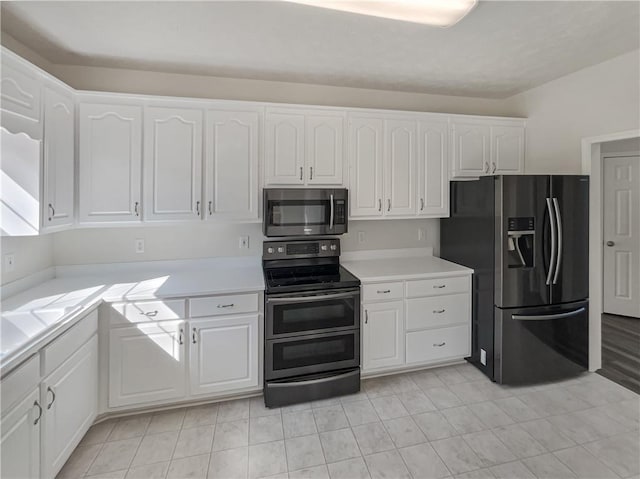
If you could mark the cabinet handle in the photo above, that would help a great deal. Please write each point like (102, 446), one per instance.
(379, 204)
(180, 337)
(37, 404)
(301, 173)
(230, 305)
(52, 210)
(149, 314)
(439, 311)
(193, 336)
(311, 172)
(486, 168)
(210, 208)
(439, 345)
(388, 205)
(198, 208)
(439, 286)
(383, 291)
(421, 204)
(53, 397)
(135, 209)
(494, 168)
(366, 316)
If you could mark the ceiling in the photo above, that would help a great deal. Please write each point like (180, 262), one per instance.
(499, 49)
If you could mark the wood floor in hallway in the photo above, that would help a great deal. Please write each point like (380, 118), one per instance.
(621, 350)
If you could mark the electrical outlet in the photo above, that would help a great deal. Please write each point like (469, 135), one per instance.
(421, 234)
(139, 245)
(483, 357)
(243, 242)
(9, 262)
(360, 236)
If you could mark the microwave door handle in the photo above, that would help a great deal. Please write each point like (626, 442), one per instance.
(331, 215)
(552, 258)
(308, 299)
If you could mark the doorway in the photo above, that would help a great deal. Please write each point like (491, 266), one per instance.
(621, 262)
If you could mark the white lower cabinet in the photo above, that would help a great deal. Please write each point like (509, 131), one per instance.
(224, 354)
(383, 335)
(415, 322)
(147, 363)
(20, 443)
(69, 397)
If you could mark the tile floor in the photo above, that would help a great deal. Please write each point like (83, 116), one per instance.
(446, 422)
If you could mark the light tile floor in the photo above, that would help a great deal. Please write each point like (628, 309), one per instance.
(445, 422)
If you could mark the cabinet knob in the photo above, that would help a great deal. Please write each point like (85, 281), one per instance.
(181, 337)
(193, 335)
(439, 345)
(311, 172)
(421, 204)
(301, 173)
(486, 168)
(366, 316)
(389, 205)
(494, 168)
(52, 210)
(198, 208)
(135, 208)
(53, 397)
(210, 208)
(379, 204)
(37, 404)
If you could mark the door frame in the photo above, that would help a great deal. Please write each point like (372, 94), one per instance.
(592, 165)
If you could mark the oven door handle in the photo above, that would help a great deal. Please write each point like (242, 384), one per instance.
(329, 378)
(331, 217)
(307, 299)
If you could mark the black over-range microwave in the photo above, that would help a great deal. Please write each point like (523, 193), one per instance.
(305, 212)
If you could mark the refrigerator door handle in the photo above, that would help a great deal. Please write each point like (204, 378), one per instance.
(554, 233)
(568, 314)
(556, 207)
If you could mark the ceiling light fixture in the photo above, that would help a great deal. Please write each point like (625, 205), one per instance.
(440, 13)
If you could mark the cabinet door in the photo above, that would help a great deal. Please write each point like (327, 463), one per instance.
(59, 158)
(233, 149)
(383, 335)
(20, 443)
(147, 363)
(224, 354)
(400, 167)
(324, 149)
(110, 163)
(470, 149)
(365, 147)
(172, 164)
(20, 91)
(284, 155)
(70, 399)
(507, 150)
(433, 170)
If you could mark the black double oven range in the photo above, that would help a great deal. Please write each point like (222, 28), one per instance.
(312, 311)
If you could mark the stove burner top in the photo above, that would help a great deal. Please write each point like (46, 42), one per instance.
(304, 278)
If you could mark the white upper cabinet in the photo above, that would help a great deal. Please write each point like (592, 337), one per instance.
(233, 153)
(304, 147)
(483, 147)
(507, 149)
(110, 163)
(433, 168)
(59, 158)
(400, 167)
(20, 95)
(470, 148)
(365, 140)
(172, 164)
(284, 148)
(324, 134)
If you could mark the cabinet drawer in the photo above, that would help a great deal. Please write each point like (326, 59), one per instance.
(219, 305)
(382, 291)
(19, 382)
(62, 348)
(432, 287)
(142, 312)
(438, 344)
(437, 311)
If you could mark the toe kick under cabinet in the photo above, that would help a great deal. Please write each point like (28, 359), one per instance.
(175, 350)
(417, 322)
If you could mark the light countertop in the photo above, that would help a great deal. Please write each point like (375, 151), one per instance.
(36, 315)
(415, 267)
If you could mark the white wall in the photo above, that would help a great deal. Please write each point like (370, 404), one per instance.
(597, 100)
(104, 245)
(32, 254)
(630, 145)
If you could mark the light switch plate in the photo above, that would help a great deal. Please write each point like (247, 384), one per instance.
(9, 262)
(243, 242)
(139, 245)
(483, 357)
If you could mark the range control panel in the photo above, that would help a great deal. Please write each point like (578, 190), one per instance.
(322, 248)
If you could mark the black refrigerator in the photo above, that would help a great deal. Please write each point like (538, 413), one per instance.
(527, 238)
